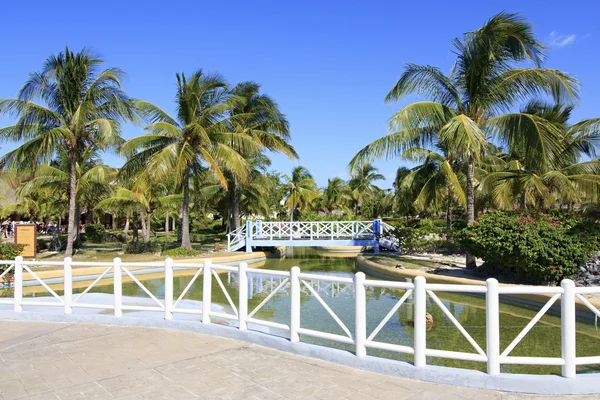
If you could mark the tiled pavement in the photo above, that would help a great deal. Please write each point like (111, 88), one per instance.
(42, 360)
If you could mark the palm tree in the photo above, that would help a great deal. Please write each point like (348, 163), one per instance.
(403, 198)
(361, 183)
(198, 137)
(83, 108)
(300, 190)
(436, 182)
(336, 195)
(258, 116)
(517, 178)
(467, 107)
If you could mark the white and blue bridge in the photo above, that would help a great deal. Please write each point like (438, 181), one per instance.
(376, 234)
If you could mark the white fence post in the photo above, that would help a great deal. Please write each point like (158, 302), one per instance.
(360, 308)
(169, 288)
(568, 328)
(18, 282)
(295, 304)
(492, 324)
(420, 322)
(68, 285)
(206, 291)
(243, 296)
(118, 287)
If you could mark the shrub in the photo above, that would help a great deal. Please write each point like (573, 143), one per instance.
(531, 247)
(421, 236)
(8, 251)
(181, 252)
(42, 244)
(95, 233)
(141, 247)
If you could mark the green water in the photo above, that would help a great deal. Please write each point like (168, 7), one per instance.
(543, 340)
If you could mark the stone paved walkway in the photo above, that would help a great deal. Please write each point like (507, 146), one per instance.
(42, 360)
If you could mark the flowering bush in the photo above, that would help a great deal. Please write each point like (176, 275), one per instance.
(531, 247)
(8, 251)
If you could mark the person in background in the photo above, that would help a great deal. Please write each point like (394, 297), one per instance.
(5, 228)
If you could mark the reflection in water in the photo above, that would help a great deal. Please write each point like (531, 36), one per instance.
(469, 310)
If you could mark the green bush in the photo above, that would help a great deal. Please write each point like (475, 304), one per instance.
(142, 247)
(531, 247)
(8, 251)
(42, 244)
(421, 236)
(95, 233)
(181, 252)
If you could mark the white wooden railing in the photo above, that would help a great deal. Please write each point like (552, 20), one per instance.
(313, 230)
(299, 282)
(236, 239)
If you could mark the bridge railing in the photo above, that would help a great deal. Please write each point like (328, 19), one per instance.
(236, 239)
(312, 230)
(296, 284)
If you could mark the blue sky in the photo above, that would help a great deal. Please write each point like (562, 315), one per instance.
(329, 64)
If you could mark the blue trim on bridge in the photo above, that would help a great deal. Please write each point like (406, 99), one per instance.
(311, 242)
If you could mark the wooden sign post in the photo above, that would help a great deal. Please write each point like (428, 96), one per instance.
(26, 234)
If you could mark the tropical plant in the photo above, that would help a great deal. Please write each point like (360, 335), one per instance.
(436, 183)
(361, 183)
(82, 108)
(300, 190)
(571, 178)
(197, 137)
(336, 196)
(474, 102)
(257, 116)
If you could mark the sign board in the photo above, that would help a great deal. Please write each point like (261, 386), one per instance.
(26, 234)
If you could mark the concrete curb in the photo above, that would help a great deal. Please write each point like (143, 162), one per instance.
(535, 384)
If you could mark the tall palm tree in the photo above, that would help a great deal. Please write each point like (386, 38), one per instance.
(82, 108)
(436, 182)
(474, 102)
(519, 179)
(361, 183)
(197, 138)
(256, 115)
(300, 190)
(336, 195)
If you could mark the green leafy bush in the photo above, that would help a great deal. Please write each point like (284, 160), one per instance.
(8, 251)
(42, 244)
(142, 247)
(181, 252)
(421, 236)
(531, 247)
(95, 233)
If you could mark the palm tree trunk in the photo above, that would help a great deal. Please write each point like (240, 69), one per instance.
(173, 227)
(449, 214)
(470, 260)
(167, 222)
(235, 204)
(145, 235)
(126, 228)
(185, 215)
(77, 225)
(72, 207)
(114, 222)
(148, 221)
(523, 201)
(134, 226)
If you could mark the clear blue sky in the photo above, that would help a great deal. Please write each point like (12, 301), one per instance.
(328, 64)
